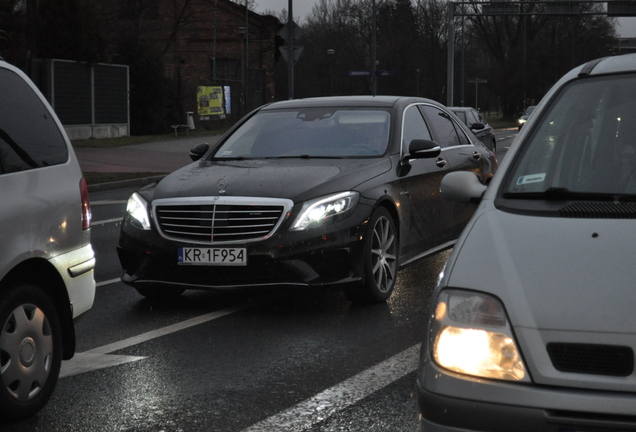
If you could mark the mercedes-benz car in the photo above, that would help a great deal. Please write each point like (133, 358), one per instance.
(532, 324)
(325, 192)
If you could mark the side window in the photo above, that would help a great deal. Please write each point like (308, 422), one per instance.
(443, 127)
(29, 137)
(414, 127)
(472, 118)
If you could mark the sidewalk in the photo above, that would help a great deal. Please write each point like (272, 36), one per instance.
(153, 157)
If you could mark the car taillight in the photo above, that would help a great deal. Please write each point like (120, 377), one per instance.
(86, 207)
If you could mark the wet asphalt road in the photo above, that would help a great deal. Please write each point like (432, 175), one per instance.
(281, 360)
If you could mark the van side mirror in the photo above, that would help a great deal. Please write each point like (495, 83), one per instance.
(462, 187)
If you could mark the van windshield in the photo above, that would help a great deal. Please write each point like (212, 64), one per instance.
(584, 143)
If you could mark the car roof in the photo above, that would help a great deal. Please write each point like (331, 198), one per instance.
(462, 109)
(352, 101)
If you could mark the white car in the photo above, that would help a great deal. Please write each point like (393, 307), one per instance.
(533, 325)
(46, 259)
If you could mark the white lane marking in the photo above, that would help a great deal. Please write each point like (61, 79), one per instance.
(99, 358)
(308, 413)
(106, 221)
(153, 334)
(86, 362)
(108, 282)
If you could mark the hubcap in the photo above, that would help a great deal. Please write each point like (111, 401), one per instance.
(383, 255)
(26, 352)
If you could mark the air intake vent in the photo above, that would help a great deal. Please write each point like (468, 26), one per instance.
(222, 220)
(599, 210)
(592, 359)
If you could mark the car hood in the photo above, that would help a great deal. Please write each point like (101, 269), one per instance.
(295, 179)
(553, 274)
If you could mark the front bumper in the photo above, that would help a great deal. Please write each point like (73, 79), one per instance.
(331, 256)
(454, 402)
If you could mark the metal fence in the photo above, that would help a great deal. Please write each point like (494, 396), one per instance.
(92, 101)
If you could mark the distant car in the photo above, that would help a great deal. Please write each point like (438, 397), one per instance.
(524, 117)
(46, 259)
(478, 125)
(325, 192)
(532, 324)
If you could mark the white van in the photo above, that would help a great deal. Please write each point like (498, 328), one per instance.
(533, 325)
(46, 258)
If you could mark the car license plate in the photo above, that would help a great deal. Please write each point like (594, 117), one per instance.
(213, 256)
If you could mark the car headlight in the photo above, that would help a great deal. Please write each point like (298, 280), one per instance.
(325, 210)
(472, 335)
(137, 211)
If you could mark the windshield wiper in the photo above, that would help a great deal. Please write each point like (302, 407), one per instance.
(561, 194)
(303, 156)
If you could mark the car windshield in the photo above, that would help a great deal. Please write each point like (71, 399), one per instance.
(583, 143)
(528, 111)
(309, 132)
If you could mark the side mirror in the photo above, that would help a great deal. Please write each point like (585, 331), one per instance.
(477, 126)
(198, 151)
(424, 149)
(462, 187)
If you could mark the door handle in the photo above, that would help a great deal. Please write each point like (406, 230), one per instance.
(440, 162)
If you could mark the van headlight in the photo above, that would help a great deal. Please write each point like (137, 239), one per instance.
(137, 212)
(471, 335)
(325, 210)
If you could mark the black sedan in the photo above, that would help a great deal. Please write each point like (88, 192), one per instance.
(326, 192)
(477, 124)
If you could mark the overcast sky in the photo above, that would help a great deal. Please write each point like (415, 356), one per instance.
(301, 8)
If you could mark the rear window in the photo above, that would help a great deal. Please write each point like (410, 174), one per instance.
(29, 137)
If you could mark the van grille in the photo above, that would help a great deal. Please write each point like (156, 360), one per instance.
(227, 220)
(592, 359)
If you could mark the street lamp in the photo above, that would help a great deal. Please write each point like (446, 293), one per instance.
(330, 53)
(243, 35)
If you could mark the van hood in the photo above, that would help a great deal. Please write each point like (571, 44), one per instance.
(296, 179)
(552, 273)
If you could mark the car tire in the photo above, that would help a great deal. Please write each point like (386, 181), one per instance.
(30, 350)
(159, 293)
(381, 246)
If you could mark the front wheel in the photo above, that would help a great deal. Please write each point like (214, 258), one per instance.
(381, 248)
(30, 350)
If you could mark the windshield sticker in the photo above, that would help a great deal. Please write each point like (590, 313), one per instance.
(532, 178)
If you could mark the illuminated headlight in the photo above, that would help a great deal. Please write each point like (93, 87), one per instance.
(325, 210)
(471, 335)
(137, 210)
(522, 121)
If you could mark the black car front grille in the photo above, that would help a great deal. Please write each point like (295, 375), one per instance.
(592, 359)
(209, 223)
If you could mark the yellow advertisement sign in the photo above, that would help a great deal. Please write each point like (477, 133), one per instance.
(210, 101)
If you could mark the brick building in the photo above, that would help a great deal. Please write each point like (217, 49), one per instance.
(199, 44)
